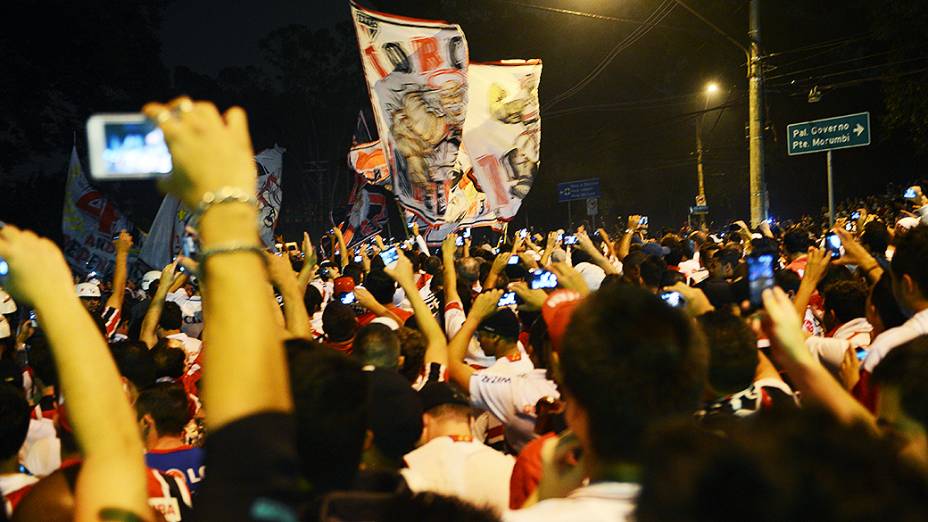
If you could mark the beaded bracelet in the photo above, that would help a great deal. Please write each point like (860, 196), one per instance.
(231, 248)
(225, 195)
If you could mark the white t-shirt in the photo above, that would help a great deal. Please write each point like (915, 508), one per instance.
(603, 501)
(191, 347)
(454, 320)
(468, 470)
(889, 339)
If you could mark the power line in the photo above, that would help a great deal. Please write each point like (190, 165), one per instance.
(858, 69)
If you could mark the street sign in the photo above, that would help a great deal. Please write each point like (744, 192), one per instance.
(699, 209)
(592, 207)
(574, 190)
(840, 132)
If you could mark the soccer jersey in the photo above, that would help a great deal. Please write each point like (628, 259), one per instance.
(185, 462)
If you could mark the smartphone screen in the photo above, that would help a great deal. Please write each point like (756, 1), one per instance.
(861, 353)
(514, 260)
(390, 256)
(543, 279)
(523, 233)
(466, 232)
(358, 259)
(507, 299)
(126, 146)
(570, 240)
(643, 221)
(760, 275)
(833, 244)
(459, 241)
(347, 298)
(4, 268)
(909, 193)
(673, 298)
(855, 215)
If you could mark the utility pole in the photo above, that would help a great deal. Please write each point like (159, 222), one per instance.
(757, 185)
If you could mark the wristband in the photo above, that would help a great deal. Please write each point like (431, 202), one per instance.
(872, 268)
(225, 195)
(231, 248)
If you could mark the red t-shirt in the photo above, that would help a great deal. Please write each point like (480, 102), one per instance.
(366, 319)
(527, 472)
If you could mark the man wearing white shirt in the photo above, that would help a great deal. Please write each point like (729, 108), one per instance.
(449, 461)
(628, 361)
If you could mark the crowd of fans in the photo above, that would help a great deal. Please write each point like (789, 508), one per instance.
(571, 375)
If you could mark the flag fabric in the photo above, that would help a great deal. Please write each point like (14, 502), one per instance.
(416, 74)
(170, 224)
(368, 160)
(502, 131)
(90, 222)
(368, 213)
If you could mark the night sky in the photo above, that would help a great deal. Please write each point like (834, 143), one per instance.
(633, 126)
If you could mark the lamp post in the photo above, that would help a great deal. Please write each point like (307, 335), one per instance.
(711, 88)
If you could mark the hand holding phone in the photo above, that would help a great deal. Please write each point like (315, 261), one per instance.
(347, 298)
(390, 256)
(833, 244)
(543, 279)
(673, 298)
(508, 299)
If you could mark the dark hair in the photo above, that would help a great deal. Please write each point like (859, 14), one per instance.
(134, 361)
(376, 344)
(797, 464)
(652, 271)
(339, 322)
(14, 420)
(41, 361)
(355, 272)
(847, 299)
(882, 298)
(875, 238)
(677, 251)
(906, 369)
(395, 414)
(796, 241)
(835, 274)
(312, 299)
(330, 408)
(381, 286)
(168, 361)
(168, 405)
(910, 255)
(728, 256)
(412, 346)
(171, 316)
(630, 360)
(467, 269)
(732, 351)
(432, 507)
(788, 280)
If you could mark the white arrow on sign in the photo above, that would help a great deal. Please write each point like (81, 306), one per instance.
(858, 130)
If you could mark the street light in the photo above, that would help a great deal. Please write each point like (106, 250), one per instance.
(711, 88)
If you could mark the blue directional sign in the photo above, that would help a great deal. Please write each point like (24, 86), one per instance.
(574, 190)
(841, 132)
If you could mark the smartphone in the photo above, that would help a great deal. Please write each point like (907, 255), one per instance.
(459, 241)
(466, 232)
(514, 260)
(347, 298)
(543, 279)
(833, 244)
(126, 146)
(33, 319)
(390, 256)
(570, 240)
(855, 215)
(643, 221)
(861, 353)
(279, 247)
(909, 193)
(189, 247)
(508, 299)
(673, 298)
(292, 246)
(850, 226)
(523, 233)
(4, 267)
(760, 275)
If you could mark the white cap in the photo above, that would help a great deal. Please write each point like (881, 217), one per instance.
(907, 222)
(7, 304)
(148, 278)
(592, 275)
(386, 321)
(88, 290)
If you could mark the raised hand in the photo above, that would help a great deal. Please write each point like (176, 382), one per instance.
(402, 273)
(485, 305)
(532, 300)
(123, 243)
(569, 278)
(37, 268)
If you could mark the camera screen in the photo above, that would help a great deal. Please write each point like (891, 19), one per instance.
(132, 148)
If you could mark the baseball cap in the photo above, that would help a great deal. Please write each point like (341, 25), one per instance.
(7, 304)
(503, 323)
(654, 249)
(343, 285)
(148, 278)
(436, 393)
(557, 311)
(88, 290)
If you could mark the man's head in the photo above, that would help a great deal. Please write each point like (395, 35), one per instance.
(162, 410)
(171, 319)
(90, 296)
(883, 311)
(875, 238)
(412, 348)
(394, 420)
(910, 271)
(732, 352)
(468, 269)
(445, 410)
(381, 286)
(14, 423)
(330, 407)
(377, 345)
(724, 263)
(168, 360)
(135, 364)
(628, 361)
(499, 332)
(844, 301)
(796, 242)
(902, 412)
(338, 322)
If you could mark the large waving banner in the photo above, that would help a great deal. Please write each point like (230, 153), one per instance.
(368, 160)
(502, 132)
(89, 223)
(170, 224)
(416, 74)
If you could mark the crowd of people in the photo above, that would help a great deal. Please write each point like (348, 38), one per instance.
(572, 375)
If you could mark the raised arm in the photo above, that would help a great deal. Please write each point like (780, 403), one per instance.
(459, 371)
(856, 254)
(784, 329)
(626, 243)
(244, 368)
(113, 473)
(342, 248)
(449, 274)
(309, 263)
(436, 344)
(147, 333)
(283, 277)
(123, 244)
(586, 244)
(816, 268)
